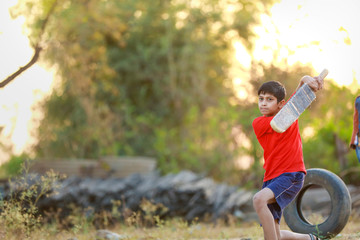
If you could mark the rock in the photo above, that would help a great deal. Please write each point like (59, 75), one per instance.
(107, 235)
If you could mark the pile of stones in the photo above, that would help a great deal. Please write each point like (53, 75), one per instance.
(185, 194)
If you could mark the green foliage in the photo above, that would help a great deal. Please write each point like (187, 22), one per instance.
(152, 78)
(142, 78)
(13, 167)
(319, 151)
(19, 214)
(331, 118)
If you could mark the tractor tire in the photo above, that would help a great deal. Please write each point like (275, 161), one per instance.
(340, 205)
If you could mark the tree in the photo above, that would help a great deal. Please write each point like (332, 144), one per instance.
(142, 78)
(331, 122)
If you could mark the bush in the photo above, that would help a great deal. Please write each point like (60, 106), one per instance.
(13, 166)
(19, 215)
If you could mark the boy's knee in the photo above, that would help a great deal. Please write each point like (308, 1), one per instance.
(258, 201)
(263, 198)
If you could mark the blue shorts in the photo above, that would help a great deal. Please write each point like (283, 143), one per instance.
(285, 188)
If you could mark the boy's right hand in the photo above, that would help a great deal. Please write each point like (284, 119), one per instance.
(315, 83)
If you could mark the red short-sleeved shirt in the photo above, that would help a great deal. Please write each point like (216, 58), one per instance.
(282, 151)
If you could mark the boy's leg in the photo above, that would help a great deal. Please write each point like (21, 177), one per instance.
(288, 235)
(272, 199)
(260, 202)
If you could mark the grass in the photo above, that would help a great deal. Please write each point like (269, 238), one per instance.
(176, 229)
(173, 229)
(170, 229)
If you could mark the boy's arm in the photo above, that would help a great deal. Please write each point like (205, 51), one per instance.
(355, 127)
(261, 126)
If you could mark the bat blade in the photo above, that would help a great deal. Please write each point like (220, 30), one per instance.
(296, 105)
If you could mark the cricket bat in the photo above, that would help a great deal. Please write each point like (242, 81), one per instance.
(296, 105)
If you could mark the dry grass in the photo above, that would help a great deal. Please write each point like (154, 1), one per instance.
(175, 229)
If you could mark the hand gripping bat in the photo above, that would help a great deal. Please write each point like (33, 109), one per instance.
(296, 105)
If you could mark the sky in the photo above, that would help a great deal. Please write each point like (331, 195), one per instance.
(324, 33)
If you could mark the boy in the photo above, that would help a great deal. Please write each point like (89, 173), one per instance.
(284, 165)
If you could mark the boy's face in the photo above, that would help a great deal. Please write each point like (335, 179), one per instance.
(268, 104)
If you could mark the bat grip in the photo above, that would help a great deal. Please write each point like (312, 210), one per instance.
(323, 74)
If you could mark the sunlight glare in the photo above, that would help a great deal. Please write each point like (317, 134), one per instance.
(318, 32)
(17, 98)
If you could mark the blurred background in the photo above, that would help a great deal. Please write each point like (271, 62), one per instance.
(174, 81)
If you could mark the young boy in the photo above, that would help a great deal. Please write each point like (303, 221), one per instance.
(284, 165)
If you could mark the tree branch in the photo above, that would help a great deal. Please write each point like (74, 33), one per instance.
(22, 69)
(37, 49)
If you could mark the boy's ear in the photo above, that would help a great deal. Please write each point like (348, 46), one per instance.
(281, 103)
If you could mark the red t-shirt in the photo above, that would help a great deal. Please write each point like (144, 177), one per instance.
(282, 151)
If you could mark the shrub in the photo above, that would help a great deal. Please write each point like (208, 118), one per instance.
(19, 214)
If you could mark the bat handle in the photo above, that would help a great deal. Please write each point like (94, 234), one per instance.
(323, 74)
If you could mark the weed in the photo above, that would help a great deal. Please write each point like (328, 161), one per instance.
(18, 210)
(152, 212)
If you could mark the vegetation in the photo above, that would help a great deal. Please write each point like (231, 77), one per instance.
(20, 219)
(153, 78)
(19, 215)
(141, 78)
(176, 229)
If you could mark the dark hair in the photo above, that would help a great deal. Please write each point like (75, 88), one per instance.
(275, 88)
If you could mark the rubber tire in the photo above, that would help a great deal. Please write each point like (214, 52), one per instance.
(340, 205)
